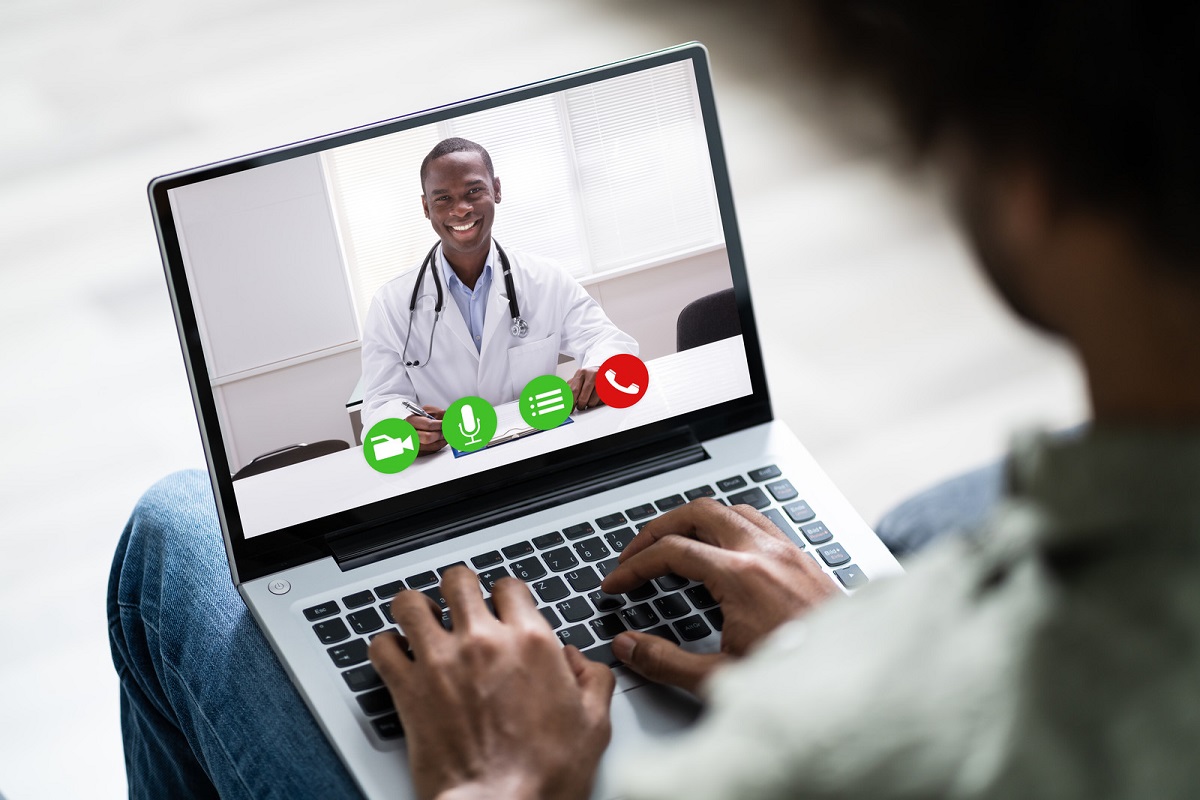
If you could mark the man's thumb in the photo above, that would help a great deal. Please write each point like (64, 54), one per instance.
(663, 661)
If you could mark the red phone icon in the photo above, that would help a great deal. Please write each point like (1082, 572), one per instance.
(622, 380)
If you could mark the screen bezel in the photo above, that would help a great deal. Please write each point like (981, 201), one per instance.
(264, 554)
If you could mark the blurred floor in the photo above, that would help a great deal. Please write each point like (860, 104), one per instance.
(886, 355)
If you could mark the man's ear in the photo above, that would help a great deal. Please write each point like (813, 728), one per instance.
(1025, 207)
(425, 206)
(496, 189)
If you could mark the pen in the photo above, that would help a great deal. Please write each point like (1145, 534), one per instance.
(416, 409)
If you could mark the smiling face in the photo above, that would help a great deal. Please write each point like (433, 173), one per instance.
(460, 203)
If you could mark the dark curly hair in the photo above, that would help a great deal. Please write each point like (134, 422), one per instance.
(455, 145)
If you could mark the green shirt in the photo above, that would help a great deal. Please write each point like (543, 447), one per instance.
(1054, 654)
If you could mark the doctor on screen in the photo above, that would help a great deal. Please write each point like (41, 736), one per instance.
(475, 318)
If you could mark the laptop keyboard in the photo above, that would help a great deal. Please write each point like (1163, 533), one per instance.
(563, 569)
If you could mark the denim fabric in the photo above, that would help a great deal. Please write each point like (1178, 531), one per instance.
(951, 508)
(206, 709)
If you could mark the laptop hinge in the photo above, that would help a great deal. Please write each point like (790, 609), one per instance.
(516, 500)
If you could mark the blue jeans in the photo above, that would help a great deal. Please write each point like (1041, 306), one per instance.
(206, 709)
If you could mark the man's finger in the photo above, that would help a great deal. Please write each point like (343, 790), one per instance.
(595, 680)
(587, 388)
(692, 559)
(514, 604)
(665, 662)
(704, 519)
(464, 598)
(419, 617)
(388, 656)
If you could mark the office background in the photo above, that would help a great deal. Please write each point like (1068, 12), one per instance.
(886, 353)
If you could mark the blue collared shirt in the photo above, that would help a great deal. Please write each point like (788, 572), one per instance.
(472, 304)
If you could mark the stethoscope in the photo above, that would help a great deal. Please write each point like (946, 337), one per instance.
(519, 327)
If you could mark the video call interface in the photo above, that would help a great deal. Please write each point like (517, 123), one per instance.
(384, 316)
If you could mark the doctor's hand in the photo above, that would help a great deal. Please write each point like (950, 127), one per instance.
(759, 576)
(583, 388)
(429, 431)
(495, 707)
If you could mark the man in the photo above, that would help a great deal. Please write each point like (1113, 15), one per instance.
(1054, 654)
(417, 355)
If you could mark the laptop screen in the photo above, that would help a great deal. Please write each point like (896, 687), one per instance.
(380, 313)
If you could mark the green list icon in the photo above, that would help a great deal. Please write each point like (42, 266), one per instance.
(546, 402)
(469, 424)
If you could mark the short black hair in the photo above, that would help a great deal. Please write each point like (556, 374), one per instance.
(455, 145)
(1102, 93)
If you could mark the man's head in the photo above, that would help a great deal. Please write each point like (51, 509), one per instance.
(1055, 117)
(459, 192)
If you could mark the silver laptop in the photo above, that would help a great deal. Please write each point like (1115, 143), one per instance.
(615, 177)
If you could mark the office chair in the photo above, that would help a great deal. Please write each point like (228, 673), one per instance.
(287, 456)
(706, 320)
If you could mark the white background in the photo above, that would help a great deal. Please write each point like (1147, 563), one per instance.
(886, 355)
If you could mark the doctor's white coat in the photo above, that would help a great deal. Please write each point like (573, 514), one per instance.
(562, 318)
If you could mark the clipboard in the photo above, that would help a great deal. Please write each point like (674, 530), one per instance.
(510, 435)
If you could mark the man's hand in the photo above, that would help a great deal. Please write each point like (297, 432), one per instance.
(583, 389)
(760, 578)
(429, 431)
(496, 707)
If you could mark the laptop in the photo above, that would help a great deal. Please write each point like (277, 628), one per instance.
(616, 176)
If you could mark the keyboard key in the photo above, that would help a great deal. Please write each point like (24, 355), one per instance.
(605, 602)
(331, 631)
(365, 621)
(603, 654)
(692, 628)
(551, 617)
(775, 516)
(486, 560)
(560, 559)
(644, 511)
(574, 610)
(517, 550)
(851, 577)
(618, 540)
(551, 589)
(447, 620)
(730, 484)
(606, 627)
(578, 531)
(321, 610)
(816, 532)
(489, 577)
(608, 565)
(444, 569)
(583, 580)
(359, 599)
(610, 521)
(386, 610)
(670, 582)
(764, 473)
(834, 555)
(700, 596)
(362, 678)
(421, 580)
(388, 727)
(376, 702)
(700, 491)
(349, 654)
(435, 594)
(667, 503)
(640, 616)
(664, 632)
(592, 549)
(643, 592)
(576, 635)
(716, 618)
(641, 525)
(528, 569)
(672, 606)
(799, 511)
(782, 491)
(548, 540)
(751, 497)
(389, 590)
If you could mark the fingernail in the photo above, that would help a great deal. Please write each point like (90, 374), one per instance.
(623, 647)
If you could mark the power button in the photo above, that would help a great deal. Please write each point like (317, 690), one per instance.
(279, 586)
